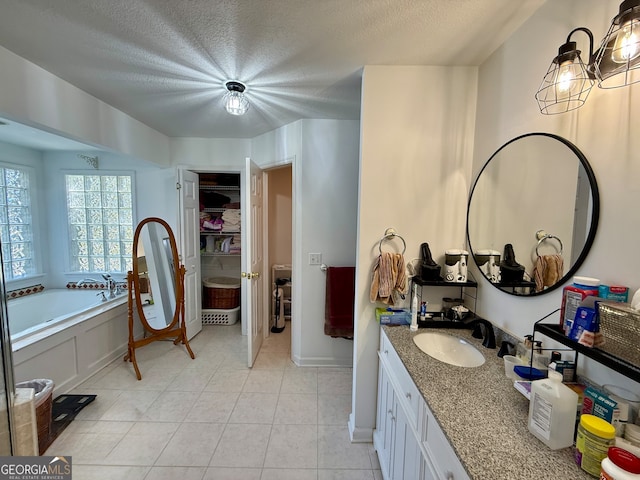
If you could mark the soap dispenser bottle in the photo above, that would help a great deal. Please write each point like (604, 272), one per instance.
(552, 411)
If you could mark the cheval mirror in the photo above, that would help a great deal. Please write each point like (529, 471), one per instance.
(157, 285)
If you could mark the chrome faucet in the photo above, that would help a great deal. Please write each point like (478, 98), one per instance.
(85, 281)
(111, 285)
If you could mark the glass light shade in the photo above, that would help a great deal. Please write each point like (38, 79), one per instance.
(626, 48)
(235, 103)
(565, 87)
(617, 61)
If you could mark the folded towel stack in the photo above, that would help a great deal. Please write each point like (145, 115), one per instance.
(231, 219)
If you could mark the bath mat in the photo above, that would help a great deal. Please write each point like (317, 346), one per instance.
(63, 411)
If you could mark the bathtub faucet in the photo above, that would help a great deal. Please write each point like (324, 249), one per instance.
(111, 284)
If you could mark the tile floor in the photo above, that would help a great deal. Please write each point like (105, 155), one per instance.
(213, 418)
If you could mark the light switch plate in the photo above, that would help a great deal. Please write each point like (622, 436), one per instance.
(315, 258)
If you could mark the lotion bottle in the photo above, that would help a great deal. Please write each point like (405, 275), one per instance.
(552, 411)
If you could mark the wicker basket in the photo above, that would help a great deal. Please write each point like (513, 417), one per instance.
(620, 326)
(43, 402)
(220, 293)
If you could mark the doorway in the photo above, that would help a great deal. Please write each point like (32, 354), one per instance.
(279, 236)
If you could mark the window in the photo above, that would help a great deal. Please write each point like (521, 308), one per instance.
(100, 208)
(15, 222)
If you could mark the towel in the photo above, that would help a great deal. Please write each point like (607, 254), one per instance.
(389, 277)
(548, 271)
(339, 300)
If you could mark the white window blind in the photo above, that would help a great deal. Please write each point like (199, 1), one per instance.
(100, 212)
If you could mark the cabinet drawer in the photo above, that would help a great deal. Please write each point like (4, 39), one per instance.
(407, 392)
(441, 454)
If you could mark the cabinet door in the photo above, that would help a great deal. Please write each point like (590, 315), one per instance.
(406, 458)
(384, 422)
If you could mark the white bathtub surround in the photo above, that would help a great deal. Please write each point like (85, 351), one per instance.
(24, 416)
(66, 347)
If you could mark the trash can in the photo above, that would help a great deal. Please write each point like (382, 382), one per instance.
(43, 402)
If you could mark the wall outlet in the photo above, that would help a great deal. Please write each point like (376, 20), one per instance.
(315, 258)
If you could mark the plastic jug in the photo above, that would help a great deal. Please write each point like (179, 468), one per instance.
(552, 411)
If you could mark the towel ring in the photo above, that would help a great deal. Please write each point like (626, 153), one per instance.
(388, 234)
(541, 235)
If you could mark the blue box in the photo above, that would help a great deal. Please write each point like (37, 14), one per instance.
(393, 316)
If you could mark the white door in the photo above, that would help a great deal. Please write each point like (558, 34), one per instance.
(190, 249)
(252, 259)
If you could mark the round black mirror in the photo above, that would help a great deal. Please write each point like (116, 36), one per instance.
(532, 214)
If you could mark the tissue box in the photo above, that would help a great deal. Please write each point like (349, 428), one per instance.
(393, 316)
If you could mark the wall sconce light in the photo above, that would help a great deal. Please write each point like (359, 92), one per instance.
(568, 81)
(615, 64)
(234, 100)
(618, 60)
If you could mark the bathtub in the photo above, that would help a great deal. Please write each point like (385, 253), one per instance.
(66, 335)
(54, 309)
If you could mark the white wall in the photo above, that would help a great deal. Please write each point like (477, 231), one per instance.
(35, 97)
(601, 129)
(325, 179)
(415, 163)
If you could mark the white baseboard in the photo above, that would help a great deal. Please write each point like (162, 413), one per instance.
(359, 435)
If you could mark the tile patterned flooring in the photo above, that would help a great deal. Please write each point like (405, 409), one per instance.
(213, 418)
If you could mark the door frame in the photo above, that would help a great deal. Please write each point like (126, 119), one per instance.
(240, 170)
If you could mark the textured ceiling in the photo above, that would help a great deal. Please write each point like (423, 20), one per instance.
(164, 62)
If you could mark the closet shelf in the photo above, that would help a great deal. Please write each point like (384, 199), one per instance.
(211, 232)
(219, 254)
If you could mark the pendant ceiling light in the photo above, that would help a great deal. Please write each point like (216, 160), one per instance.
(234, 100)
(618, 60)
(568, 81)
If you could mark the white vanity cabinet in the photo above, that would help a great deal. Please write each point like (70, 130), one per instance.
(409, 442)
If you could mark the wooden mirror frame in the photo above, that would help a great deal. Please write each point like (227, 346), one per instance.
(176, 328)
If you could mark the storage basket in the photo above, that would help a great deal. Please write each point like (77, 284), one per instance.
(620, 327)
(220, 316)
(43, 389)
(220, 293)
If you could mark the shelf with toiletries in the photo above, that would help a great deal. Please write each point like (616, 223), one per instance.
(441, 283)
(555, 332)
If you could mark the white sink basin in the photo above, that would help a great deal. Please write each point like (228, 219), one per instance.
(449, 349)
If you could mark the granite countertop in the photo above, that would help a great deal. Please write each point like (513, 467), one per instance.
(482, 414)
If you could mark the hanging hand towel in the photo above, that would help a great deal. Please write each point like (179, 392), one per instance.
(548, 271)
(389, 276)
